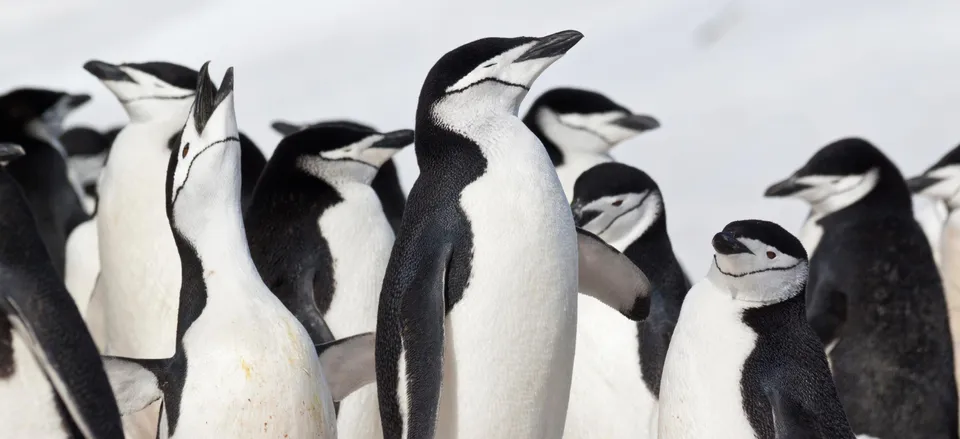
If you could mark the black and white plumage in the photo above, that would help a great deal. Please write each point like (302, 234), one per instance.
(875, 296)
(52, 382)
(743, 361)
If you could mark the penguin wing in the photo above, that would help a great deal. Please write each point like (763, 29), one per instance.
(826, 307)
(611, 277)
(68, 357)
(134, 382)
(348, 363)
(794, 420)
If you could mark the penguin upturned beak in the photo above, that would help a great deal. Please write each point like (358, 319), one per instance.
(920, 183)
(285, 128)
(107, 72)
(726, 244)
(785, 188)
(638, 122)
(394, 140)
(76, 101)
(10, 151)
(552, 45)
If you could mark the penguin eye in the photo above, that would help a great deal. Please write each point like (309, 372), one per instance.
(771, 255)
(186, 149)
(618, 202)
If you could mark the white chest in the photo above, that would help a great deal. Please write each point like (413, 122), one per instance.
(810, 233)
(28, 407)
(360, 240)
(700, 392)
(576, 164)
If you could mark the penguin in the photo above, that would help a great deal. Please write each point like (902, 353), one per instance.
(386, 183)
(743, 361)
(252, 162)
(243, 366)
(52, 383)
(580, 127)
(623, 206)
(33, 118)
(941, 183)
(87, 151)
(314, 199)
(875, 297)
(479, 295)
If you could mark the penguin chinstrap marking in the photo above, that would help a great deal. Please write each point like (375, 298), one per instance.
(579, 128)
(743, 361)
(875, 296)
(624, 207)
(243, 366)
(480, 291)
(386, 183)
(52, 383)
(33, 119)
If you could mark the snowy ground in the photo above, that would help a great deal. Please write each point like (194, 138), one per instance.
(746, 90)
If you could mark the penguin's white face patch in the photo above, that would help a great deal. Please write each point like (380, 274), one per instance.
(621, 219)
(146, 88)
(947, 188)
(831, 193)
(362, 152)
(764, 275)
(590, 133)
(502, 69)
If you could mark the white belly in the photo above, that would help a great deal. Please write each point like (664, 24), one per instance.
(576, 164)
(700, 389)
(83, 264)
(608, 398)
(140, 279)
(28, 407)
(509, 342)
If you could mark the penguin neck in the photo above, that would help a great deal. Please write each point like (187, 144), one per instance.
(653, 253)
(163, 113)
(216, 234)
(556, 154)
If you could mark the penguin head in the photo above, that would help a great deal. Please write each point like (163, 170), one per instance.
(758, 261)
(844, 173)
(38, 113)
(204, 168)
(616, 202)
(489, 75)
(342, 150)
(285, 128)
(148, 90)
(941, 181)
(576, 120)
(10, 151)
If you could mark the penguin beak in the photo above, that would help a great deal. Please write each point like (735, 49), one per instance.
(107, 72)
(10, 151)
(285, 128)
(725, 243)
(785, 188)
(384, 149)
(638, 122)
(76, 101)
(583, 218)
(553, 45)
(920, 183)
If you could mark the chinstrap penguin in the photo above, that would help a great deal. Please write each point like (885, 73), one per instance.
(580, 127)
(386, 183)
(52, 383)
(743, 361)
(480, 291)
(87, 150)
(243, 366)
(33, 119)
(875, 296)
(618, 362)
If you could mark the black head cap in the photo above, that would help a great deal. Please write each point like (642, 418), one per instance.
(173, 74)
(321, 137)
(764, 231)
(23, 105)
(565, 100)
(287, 128)
(611, 178)
(847, 156)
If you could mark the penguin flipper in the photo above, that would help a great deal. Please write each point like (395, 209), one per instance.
(70, 362)
(611, 277)
(134, 381)
(826, 310)
(348, 363)
(793, 420)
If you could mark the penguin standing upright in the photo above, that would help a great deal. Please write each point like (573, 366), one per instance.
(52, 383)
(320, 240)
(744, 362)
(875, 297)
(579, 127)
(243, 366)
(480, 291)
(941, 182)
(386, 183)
(623, 206)
(33, 118)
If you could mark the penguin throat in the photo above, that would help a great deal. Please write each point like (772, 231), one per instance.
(759, 288)
(165, 111)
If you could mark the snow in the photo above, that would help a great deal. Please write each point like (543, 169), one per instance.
(746, 90)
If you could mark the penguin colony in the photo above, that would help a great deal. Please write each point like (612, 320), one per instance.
(165, 279)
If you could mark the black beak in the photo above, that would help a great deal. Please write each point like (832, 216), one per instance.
(785, 188)
(638, 122)
(10, 151)
(76, 101)
(726, 244)
(284, 128)
(552, 45)
(395, 140)
(107, 72)
(584, 218)
(919, 183)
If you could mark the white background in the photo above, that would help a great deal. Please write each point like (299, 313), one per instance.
(746, 90)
